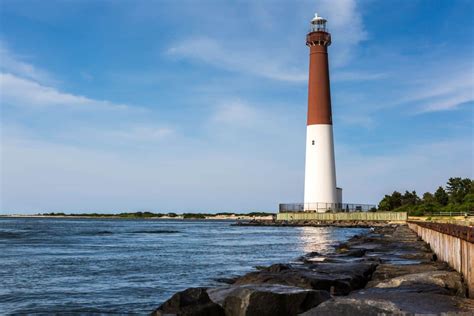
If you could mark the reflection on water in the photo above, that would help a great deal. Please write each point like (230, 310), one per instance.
(131, 266)
(311, 241)
(321, 239)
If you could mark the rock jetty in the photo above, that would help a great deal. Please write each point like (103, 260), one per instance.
(389, 271)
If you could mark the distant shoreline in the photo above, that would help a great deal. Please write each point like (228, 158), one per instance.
(164, 217)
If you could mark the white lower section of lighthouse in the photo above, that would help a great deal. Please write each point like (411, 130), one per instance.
(320, 190)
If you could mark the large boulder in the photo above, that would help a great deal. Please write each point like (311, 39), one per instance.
(352, 307)
(266, 300)
(392, 303)
(388, 271)
(190, 302)
(303, 278)
(338, 278)
(356, 273)
(351, 255)
(441, 282)
(278, 267)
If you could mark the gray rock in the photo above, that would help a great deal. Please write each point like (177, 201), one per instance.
(423, 256)
(303, 278)
(225, 280)
(190, 302)
(352, 307)
(275, 268)
(355, 252)
(441, 282)
(268, 299)
(393, 303)
(388, 271)
(339, 278)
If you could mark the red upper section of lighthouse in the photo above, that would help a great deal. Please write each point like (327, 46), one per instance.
(319, 95)
(318, 38)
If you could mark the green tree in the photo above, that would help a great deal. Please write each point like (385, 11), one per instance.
(384, 204)
(410, 198)
(441, 196)
(469, 198)
(458, 188)
(396, 200)
(428, 197)
(457, 197)
(391, 202)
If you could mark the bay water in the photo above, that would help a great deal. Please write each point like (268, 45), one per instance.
(87, 266)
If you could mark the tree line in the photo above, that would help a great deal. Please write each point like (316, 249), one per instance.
(456, 196)
(151, 214)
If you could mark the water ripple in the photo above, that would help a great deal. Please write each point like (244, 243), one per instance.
(109, 266)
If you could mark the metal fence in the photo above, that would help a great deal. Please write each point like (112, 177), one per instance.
(325, 207)
(343, 216)
(468, 213)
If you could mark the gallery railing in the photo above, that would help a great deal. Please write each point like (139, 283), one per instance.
(325, 207)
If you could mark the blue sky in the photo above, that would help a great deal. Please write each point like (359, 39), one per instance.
(201, 105)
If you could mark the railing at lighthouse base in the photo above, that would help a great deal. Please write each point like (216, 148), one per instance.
(317, 213)
(321, 207)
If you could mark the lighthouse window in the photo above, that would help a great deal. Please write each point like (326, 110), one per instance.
(312, 142)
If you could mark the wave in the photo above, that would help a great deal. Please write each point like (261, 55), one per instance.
(161, 231)
(11, 235)
(103, 232)
(21, 234)
(106, 232)
(96, 233)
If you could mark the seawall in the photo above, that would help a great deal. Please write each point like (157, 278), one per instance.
(453, 244)
(343, 216)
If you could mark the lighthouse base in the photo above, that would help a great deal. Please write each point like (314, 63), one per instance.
(320, 169)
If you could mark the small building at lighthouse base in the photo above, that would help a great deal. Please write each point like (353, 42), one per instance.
(339, 195)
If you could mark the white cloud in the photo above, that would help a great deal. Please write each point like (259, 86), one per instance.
(230, 57)
(11, 63)
(235, 112)
(346, 26)
(27, 93)
(241, 120)
(446, 103)
(442, 83)
(416, 89)
(445, 92)
(272, 53)
(421, 87)
(356, 76)
(365, 121)
(25, 85)
(132, 134)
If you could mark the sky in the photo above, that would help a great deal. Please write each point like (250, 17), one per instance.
(200, 106)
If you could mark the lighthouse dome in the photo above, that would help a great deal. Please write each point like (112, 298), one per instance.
(318, 20)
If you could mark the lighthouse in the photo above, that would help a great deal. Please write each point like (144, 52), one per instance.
(321, 193)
